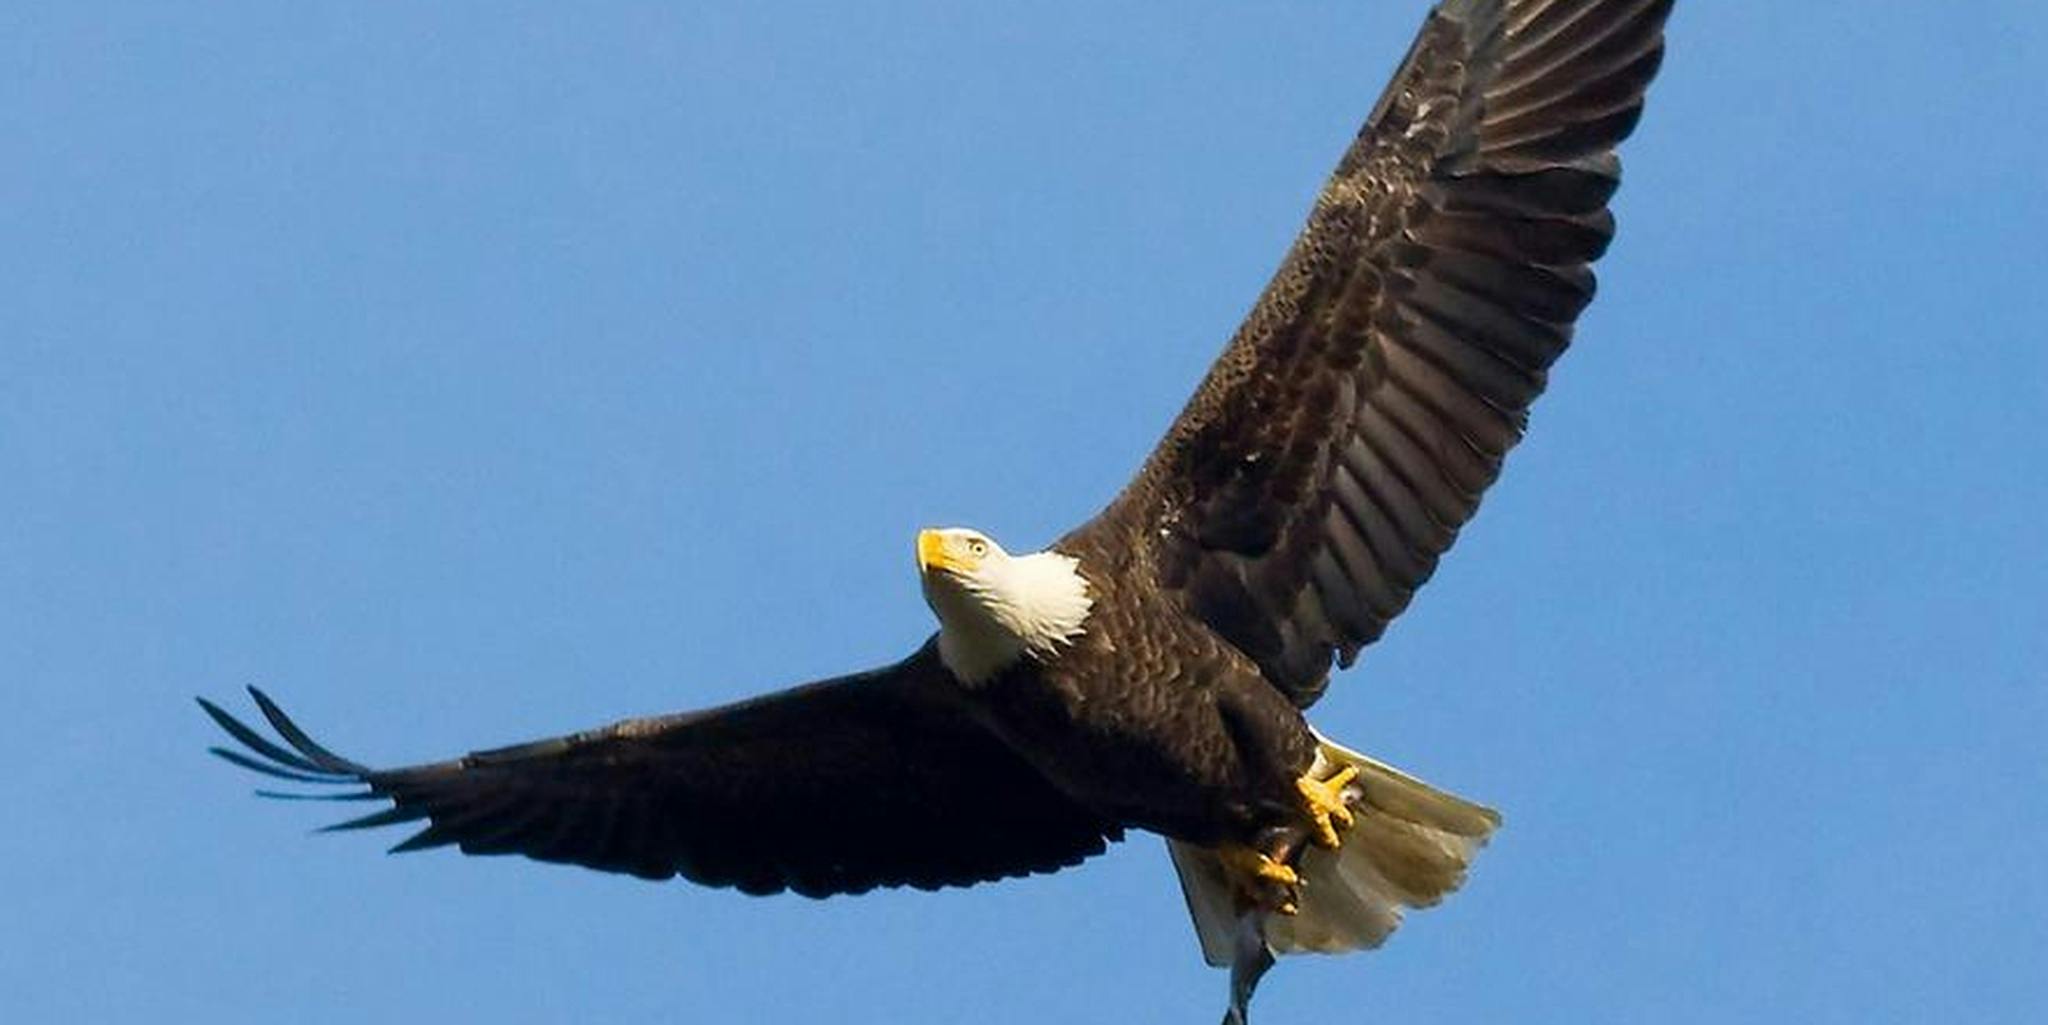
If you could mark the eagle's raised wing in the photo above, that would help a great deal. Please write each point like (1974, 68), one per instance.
(1348, 430)
(876, 779)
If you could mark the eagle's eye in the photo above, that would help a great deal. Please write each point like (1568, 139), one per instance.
(977, 547)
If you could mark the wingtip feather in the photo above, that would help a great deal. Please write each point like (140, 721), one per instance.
(298, 738)
(387, 817)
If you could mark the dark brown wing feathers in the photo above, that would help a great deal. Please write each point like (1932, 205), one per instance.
(1350, 427)
(1328, 460)
(837, 787)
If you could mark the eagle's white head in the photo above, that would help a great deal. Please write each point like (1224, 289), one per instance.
(993, 606)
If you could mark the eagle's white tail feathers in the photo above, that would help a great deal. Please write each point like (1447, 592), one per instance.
(1409, 846)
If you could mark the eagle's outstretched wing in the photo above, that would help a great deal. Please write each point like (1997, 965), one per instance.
(876, 779)
(1348, 430)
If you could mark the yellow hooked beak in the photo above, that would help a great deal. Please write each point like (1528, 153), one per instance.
(936, 554)
(932, 554)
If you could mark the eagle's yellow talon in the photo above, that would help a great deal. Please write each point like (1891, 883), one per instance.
(1254, 864)
(1324, 801)
(1259, 880)
(1274, 872)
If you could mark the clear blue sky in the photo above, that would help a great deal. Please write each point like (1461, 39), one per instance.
(469, 372)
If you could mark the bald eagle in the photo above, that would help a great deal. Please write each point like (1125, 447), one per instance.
(1150, 669)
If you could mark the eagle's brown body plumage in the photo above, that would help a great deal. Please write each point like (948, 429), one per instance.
(1150, 718)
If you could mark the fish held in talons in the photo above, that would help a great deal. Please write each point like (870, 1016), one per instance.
(1396, 843)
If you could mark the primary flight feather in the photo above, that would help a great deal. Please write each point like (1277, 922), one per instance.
(1150, 668)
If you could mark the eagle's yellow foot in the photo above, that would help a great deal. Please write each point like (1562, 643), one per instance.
(1324, 801)
(1259, 880)
(1251, 863)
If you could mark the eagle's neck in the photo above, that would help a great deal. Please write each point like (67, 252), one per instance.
(1021, 605)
